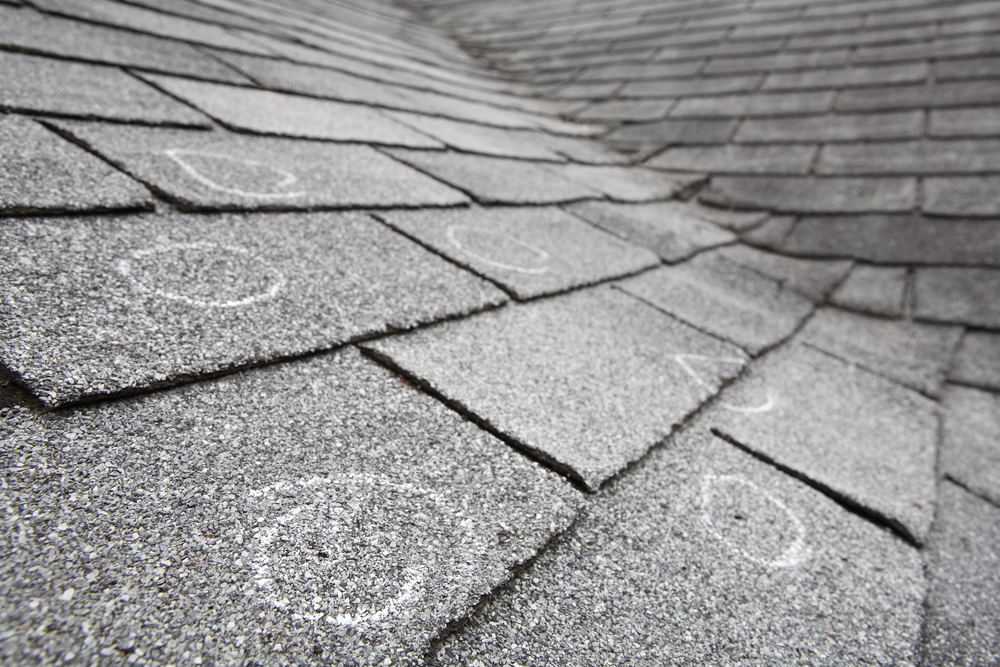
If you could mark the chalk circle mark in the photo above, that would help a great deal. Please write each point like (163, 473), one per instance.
(351, 538)
(227, 167)
(484, 246)
(752, 522)
(182, 271)
(685, 361)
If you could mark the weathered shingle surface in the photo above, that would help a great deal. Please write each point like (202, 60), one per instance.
(494, 332)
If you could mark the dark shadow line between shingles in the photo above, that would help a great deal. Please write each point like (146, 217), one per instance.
(63, 212)
(92, 60)
(93, 117)
(517, 571)
(253, 364)
(466, 413)
(853, 506)
(968, 489)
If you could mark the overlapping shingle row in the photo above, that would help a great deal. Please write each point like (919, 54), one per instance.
(467, 269)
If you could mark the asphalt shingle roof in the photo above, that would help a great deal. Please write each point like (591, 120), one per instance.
(496, 332)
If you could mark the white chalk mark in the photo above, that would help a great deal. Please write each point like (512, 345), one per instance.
(768, 405)
(288, 178)
(124, 267)
(543, 257)
(683, 359)
(410, 590)
(795, 554)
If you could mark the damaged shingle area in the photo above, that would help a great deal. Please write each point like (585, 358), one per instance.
(320, 322)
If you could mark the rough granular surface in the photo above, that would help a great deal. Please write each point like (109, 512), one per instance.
(321, 322)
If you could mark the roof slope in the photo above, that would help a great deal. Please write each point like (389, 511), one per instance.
(499, 332)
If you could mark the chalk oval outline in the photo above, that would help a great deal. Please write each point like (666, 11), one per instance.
(415, 576)
(289, 178)
(124, 267)
(795, 554)
(539, 252)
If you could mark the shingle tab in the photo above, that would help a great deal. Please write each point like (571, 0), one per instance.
(832, 127)
(672, 230)
(878, 290)
(491, 180)
(225, 171)
(961, 295)
(24, 29)
(762, 104)
(725, 299)
(736, 566)
(907, 239)
(963, 601)
(913, 354)
(319, 506)
(48, 86)
(977, 361)
(812, 195)
(736, 158)
(267, 112)
(962, 195)
(131, 302)
(529, 251)
(42, 173)
(857, 436)
(970, 450)
(591, 380)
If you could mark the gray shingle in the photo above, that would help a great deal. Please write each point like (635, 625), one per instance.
(131, 302)
(492, 180)
(591, 380)
(529, 251)
(673, 88)
(47, 86)
(725, 299)
(735, 158)
(225, 171)
(643, 139)
(812, 278)
(144, 20)
(915, 355)
(267, 112)
(963, 601)
(812, 195)
(849, 77)
(24, 29)
(832, 127)
(911, 157)
(961, 295)
(628, 184)
(962, 196)
(897, 239)
(970, 451)
(39, 173)
(977, 361)
(878, 290)
(673, 230)
(761, 104)
(271, 518)
(858, 436)
(481, 139)
(631, 110)
(968, 68)
(777, 62)
(946, 94)
(971, 122)
(742, 563)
